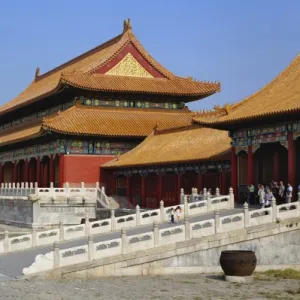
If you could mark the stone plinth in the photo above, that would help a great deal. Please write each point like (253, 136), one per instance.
(239, 279)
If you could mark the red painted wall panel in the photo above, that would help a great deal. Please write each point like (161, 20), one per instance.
(84, 168)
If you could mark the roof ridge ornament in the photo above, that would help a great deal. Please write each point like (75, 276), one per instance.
(37, 73)
(127, 25)
(228, 108)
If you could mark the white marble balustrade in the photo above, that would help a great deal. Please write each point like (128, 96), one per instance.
(125, 222)
(159, 237)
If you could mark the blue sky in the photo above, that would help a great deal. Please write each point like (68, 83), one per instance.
(242, 44)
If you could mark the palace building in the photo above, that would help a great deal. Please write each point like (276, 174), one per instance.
(88, 111)
(264, 130)
(168, 160)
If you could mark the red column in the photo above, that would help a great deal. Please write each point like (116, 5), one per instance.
(160, 178)
(128, 190)
(179, 178)
(250, 166)
(234, 172)
(51, 169)
(26, 171)
(42, 166)
(200, 182)
(291, 161)
(61, 170)
(223, 183)
(38, 170)
(276, 166)
(31, 175)
(113, 185)
(14, 175)
(143, 191)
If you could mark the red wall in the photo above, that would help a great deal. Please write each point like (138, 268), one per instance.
(84, 168)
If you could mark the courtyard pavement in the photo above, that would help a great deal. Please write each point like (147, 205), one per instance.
(12, 264)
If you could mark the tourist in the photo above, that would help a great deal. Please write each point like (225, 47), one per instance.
(281, 189)
(268, 198)
(289, 193)
(251, 190)
(266, 188)
(178, 213)
(261, 195)
(274, 187)
(172, 213)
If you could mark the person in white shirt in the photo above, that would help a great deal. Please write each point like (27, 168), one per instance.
(289, 193)
(261, 195)
(268, 198)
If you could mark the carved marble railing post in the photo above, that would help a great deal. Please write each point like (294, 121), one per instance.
(36, 188)
(61, 231)
(124, 240)
(138, 215)
(187, 228)
(246, 214)
(299, 203)
(51, 187)
(34, 235)
(82, 187)
(113, 220)
(67, 186)
(274, 210)
(97, 185)
(209, 204)
(91, 247)
(194, 194)
(217, 192)
(56, 260)
(185, 206)
(204, 194)
(181, 195)
(87, 224)
(6, 242)
(155, 234)
(231, 198)
(217, 221)
(162, 211)
(195, 191)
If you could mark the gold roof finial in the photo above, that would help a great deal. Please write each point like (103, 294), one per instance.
(127, 25)
(37, 73)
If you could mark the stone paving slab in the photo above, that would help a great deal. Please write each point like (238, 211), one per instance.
(179, 287)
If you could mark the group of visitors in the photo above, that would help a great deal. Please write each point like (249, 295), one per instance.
(266, 193)
(175, 214)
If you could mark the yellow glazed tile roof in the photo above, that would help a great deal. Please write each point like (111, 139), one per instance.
(111, 83)
(278, 97)
(20, 133)
(76, 72)
(176, 86)
(177, 145)
(104, 121)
